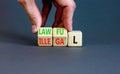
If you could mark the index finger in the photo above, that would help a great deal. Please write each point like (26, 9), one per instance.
(67, 16)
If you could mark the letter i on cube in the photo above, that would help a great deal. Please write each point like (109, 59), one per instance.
(45, 36)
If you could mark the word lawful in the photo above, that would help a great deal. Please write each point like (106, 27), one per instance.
(48, 36)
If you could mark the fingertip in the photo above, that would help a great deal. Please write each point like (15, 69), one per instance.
(69, 29)
(68, 25)
(54, 25)
(34, 29)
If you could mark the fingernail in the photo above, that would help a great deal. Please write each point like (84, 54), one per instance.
(34, 28)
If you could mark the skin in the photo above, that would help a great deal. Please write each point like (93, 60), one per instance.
(63, 16)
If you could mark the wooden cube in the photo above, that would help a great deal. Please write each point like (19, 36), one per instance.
(75, 38)
(45, 36)
(59, 37)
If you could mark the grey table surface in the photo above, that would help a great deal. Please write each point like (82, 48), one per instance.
(99, 20)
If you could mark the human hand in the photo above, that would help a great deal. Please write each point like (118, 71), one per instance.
(63, 16)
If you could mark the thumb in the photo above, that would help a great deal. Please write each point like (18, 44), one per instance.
(33, 13)
(35, 18)
(36, 22)
(34, 29)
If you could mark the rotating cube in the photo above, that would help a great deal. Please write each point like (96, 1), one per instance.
(59, 37)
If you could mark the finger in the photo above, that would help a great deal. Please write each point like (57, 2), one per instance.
(33, 13)
(67, 16)
(58, 15)
(47, 4)
(61, 25)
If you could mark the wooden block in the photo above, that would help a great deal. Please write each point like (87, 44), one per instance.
(75, 38)
(45, 36)
(59, 37)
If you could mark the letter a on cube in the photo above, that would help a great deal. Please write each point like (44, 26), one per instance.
(75, 38)
(59, 37)
(45, 36)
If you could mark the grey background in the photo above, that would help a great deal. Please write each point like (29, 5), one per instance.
(99, 20)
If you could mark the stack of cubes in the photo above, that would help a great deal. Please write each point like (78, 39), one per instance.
(48, 36)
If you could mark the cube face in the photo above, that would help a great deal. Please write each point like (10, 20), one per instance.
(59, 41)
(45, 36)
(75, 38)
(59, 32)
(44, 41)
(45, 31)
(59, 37)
